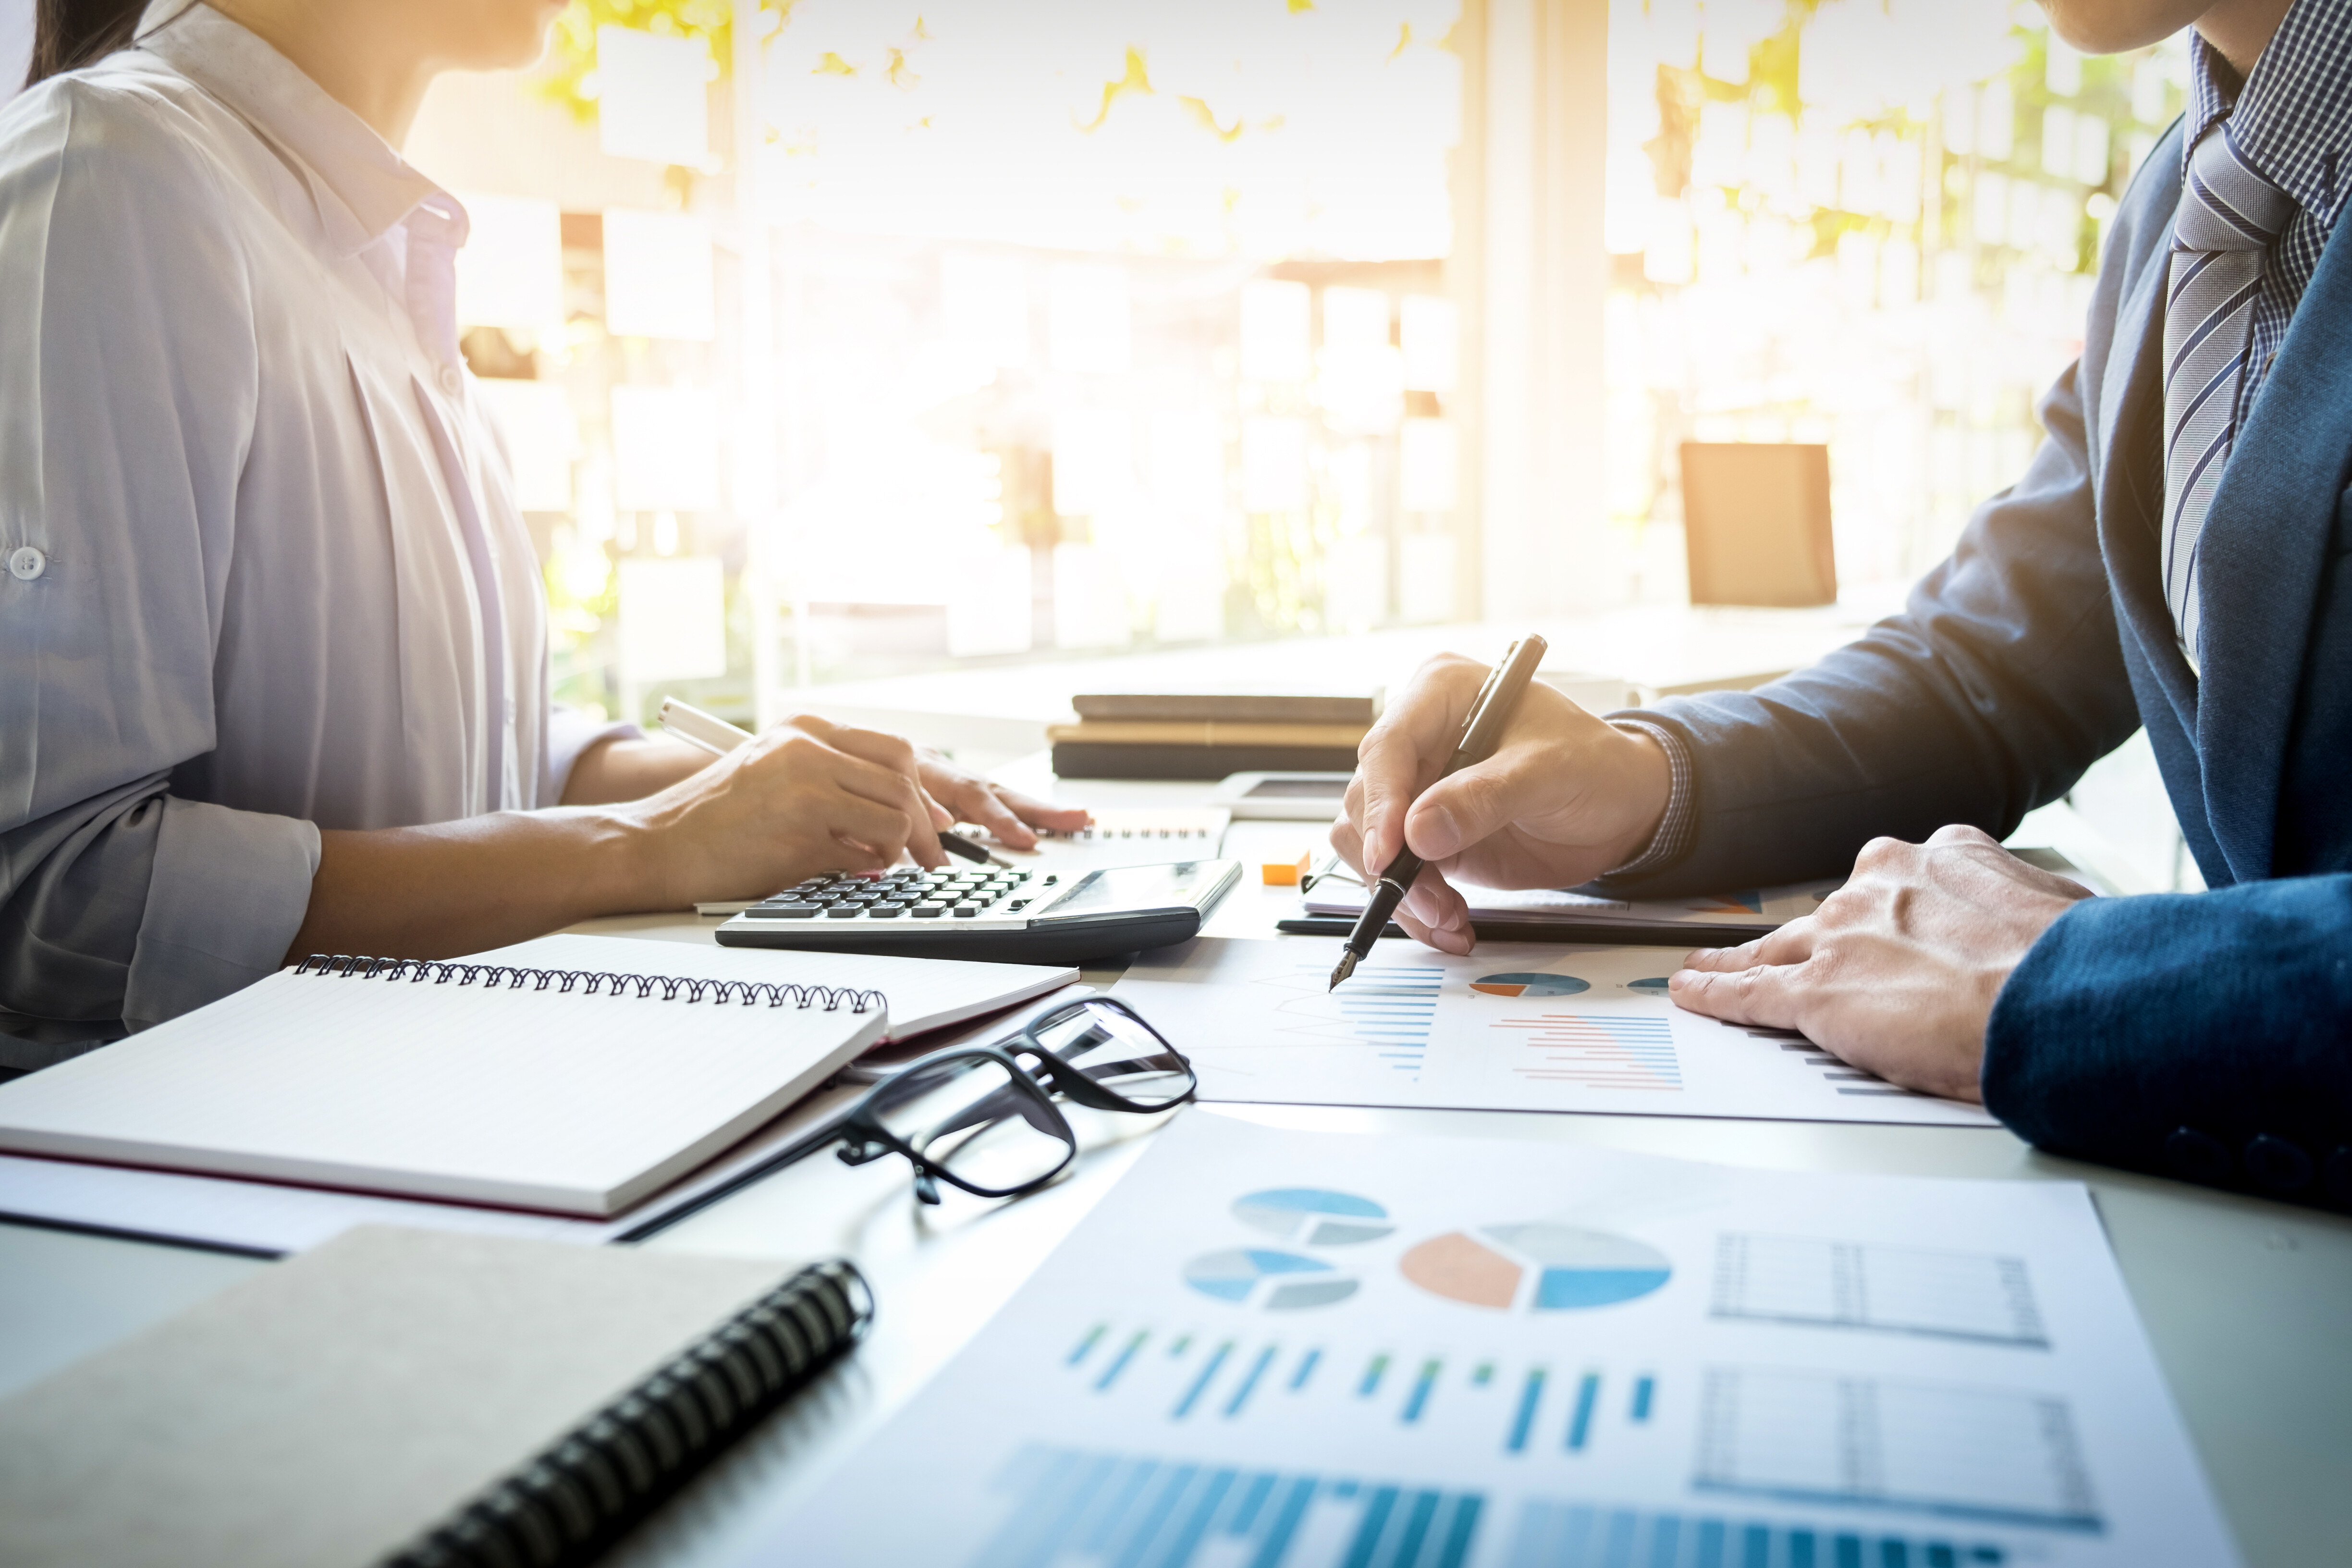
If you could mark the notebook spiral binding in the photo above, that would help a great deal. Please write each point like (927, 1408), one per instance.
(572, 1502)
(345, 966)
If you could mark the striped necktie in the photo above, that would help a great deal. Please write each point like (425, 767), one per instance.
(2228, 216)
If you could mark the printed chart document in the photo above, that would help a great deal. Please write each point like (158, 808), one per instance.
(1738, 916)
(1306, 1350)
(1513, 1026)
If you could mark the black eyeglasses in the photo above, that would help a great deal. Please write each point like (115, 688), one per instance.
(983, 1117)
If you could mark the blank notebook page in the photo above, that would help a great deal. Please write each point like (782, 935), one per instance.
(539, 1100)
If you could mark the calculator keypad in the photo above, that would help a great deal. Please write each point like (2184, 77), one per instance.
(909, 893)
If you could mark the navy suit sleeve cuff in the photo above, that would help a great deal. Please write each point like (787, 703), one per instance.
(2197, 1035)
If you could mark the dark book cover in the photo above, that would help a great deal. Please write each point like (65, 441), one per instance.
(1359, 707)
(1092, 759)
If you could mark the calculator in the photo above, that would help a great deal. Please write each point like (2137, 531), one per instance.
(1028, 915)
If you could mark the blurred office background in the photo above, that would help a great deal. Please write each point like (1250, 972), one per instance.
(850, 338)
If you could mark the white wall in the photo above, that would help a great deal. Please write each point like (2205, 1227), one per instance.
(15, 45)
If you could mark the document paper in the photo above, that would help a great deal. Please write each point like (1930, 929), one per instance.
(1306, 1350)
(1750, 911)
(1513, 1026)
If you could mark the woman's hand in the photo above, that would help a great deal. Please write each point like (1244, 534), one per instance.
(1008, 813)
(1565, 799)
(808, 796)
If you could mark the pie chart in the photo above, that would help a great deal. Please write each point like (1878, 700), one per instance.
(1656, 987)
(1313, 1216)
(1528, 985)
(1536, 1268)
(1276, 1281)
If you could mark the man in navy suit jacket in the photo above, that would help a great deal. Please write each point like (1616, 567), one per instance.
(2208, 1036)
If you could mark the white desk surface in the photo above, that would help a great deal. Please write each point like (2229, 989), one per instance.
(2249, 1303)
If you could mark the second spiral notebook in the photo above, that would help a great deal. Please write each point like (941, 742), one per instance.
(573, 1075)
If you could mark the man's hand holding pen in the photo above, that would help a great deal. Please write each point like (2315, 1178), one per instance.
(1564, 797)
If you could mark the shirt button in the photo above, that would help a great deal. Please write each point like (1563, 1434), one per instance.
(2277, 1164)
(26, 563)
(450, 380)
(2200, 1156)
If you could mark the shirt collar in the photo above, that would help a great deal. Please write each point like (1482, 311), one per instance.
(2293, 119)
(361, 185)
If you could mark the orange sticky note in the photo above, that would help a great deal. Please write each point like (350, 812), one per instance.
(1285, 873)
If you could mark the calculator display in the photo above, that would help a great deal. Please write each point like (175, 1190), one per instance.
(1135, 887)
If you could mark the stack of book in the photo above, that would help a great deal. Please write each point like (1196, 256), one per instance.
(1209, 734)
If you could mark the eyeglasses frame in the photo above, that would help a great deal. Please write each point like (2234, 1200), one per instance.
(864, 1137)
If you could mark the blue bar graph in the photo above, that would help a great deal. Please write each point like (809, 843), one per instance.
(1419, 1397)
(1119, 1363)
(1125, 1510)
(1175, 1377)
(1530, 1397)
(1132, 1513)
(1249, 1381)
(1193, 1394)
(1388, 1007)
(1583, 1535)
(1579, 1425)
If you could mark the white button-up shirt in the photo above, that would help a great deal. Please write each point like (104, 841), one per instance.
(267, 571)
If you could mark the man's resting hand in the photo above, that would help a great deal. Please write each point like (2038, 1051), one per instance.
(1898, 971)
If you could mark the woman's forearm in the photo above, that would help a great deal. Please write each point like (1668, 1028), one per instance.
(481, 882)
(619, 770)
(808, 796)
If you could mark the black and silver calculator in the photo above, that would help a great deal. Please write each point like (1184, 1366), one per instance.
(1030, 915)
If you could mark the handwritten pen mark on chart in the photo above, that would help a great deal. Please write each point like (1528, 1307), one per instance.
(1598, 1050)
(1389, 1007)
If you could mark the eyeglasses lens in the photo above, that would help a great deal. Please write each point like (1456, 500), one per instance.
(1119, 1054)
(972, 1120)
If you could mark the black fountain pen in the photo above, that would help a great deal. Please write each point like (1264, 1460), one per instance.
(1480, 735)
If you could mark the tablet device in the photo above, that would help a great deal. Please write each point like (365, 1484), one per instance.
(1282, 797)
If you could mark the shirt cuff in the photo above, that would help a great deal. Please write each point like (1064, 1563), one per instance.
(570, 733)
(1673, 833)
(228, 891)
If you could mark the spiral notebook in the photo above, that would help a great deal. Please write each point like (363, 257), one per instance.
(572, 1075)
(413, 1398)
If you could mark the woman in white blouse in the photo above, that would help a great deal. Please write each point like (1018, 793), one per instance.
(273, 672)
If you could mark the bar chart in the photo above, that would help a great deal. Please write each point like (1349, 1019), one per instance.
(1182, 1377)
(1070, 1505)
(1548, 1534)
(1103, 1508)
(1389, 1008)
(1597, 1050)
